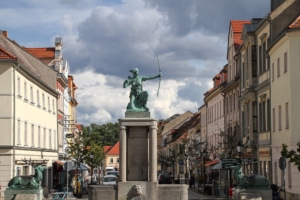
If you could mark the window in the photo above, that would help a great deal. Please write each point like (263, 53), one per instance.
(19, 133)
(31, 94)
(39, 137)
(117, 160)
(32, 135)
(233, 101)
(25, 90)
(274, 120)
(285, 62)
(50, 139)
(19, 86)
(43, 99)
(268, 115)
(289, 174)
(53, 106)
(38, 97)
(111, 160)
(278, 67)
(263, 116)
(273, 72)
(279, 118)
(44, 137)
(54, 138)
(287, 115)
(275, 173)
(48, 103)
(25, 133)
(254, 61)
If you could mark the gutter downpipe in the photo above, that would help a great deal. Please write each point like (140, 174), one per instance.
(14, 117)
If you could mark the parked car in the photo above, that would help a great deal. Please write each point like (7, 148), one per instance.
(110, 180)
(164, 179)
(116, 173)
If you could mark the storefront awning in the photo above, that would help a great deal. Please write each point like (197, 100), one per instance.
(218, 165)
(211, 162)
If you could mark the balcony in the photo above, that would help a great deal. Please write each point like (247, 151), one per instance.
(264, 77)
(264, 138)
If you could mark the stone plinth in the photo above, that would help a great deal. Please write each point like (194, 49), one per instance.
(253, 194)
(145, 114)
(102, 192)
(23, 194)
(173, 192)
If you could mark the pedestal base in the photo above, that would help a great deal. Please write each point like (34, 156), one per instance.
(134, 114)
(148, 190)
(20, 194)
(252, 194)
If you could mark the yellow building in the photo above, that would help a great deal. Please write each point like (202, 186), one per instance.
(112, 156)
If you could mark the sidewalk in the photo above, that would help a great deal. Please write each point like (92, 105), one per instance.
(205, 196)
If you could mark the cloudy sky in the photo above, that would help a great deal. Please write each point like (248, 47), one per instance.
(104, 39)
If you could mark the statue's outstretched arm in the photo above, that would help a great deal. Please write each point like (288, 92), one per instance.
(144, 78)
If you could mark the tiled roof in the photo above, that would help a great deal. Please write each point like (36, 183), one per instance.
(6, 55)
(295, 23)
(114, 150)
(237, 27)
(106, 148)
(42, 53)
(79, 126)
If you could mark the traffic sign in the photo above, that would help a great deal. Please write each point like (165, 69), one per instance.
(180, 162)
(70, 135)
(282, 163)
(228, 162)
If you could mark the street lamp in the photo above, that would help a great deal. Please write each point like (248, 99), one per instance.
(239, 148)
(91, 156)
(186, 164)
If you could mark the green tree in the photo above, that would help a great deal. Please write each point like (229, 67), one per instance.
(98, 155)
(292, 155)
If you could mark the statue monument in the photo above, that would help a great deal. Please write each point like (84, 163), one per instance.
(138, 97)
(251, 186)
(138, 153)
(28, 187)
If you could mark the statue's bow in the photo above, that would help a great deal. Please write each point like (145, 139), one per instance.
(159, 77)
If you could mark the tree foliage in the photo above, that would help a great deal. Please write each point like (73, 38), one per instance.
(92, 140)
(292, 155)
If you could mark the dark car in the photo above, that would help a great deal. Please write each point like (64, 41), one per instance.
(164, 179)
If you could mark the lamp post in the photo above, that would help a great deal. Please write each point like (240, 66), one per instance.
(204, 154)
(186, 164)
(92, 157)
(239, 148)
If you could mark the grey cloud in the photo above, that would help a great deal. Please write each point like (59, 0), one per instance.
(193, 91)
(211, 16)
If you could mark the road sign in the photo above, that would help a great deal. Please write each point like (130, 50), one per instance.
(228, 162)
(180, 162)
(70, 135)
(282, 163)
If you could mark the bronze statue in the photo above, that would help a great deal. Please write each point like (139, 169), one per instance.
(30, 182)
(249, 181)
(138, 97)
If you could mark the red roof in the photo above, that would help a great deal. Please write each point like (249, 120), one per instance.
(42, 53)
(106, 148)
(5, 55)
(237, 28)
(295, 23)
(79, 126)
(114, 150)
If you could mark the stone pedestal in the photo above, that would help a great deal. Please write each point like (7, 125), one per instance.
(23, 194)
(138, 162)
(252, 194)
(102, 192)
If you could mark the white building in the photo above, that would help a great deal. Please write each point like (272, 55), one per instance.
(28, 112)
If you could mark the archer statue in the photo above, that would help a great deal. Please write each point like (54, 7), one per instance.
(138, 97)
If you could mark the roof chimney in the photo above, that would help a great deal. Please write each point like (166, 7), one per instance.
(5, 33)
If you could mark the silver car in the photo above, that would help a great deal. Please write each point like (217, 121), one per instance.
(110, 180)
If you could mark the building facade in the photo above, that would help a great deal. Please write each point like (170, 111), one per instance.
(28, 113)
